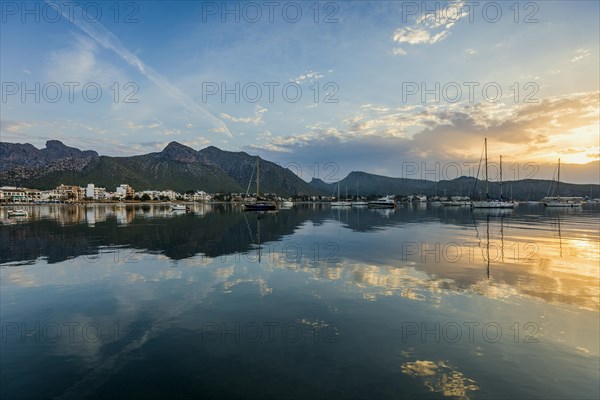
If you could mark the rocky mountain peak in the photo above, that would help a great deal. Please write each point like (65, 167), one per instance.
(179, 152)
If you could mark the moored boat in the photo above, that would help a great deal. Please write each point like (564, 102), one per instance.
(17, 212)
(561, 201)
(340, 203)
(492, 203)
(383, 202)
(259, 205)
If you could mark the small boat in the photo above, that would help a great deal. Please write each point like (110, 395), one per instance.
(178, 207)
(383, 202)
(258, 205)
(558, 201)
(287, 204)
(17, 212)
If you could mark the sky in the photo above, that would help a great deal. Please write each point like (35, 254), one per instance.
(402, 88)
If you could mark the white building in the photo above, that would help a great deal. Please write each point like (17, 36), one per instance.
(125, 190)
(93, 192)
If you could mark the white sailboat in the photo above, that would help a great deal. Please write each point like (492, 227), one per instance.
(489, 203)
(561, 201)
(358, 203)
(340, 203)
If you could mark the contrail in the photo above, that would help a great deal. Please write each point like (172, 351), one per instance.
(108, 40)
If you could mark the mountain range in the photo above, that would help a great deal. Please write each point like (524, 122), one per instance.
(181, 168)
(176, 167)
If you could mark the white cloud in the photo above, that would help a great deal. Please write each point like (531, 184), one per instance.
(430, 28)
(309, 76)
(257, 119)
(580, 55)
(398, 51)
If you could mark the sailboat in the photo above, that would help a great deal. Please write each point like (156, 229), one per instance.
(258, 205)
(358, 202)
(488, 203)
(558, 201)
(340, 203)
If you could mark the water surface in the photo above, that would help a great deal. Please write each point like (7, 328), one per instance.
(436, 302)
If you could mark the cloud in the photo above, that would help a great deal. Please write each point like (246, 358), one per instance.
(382, 137)
(133, 126)
(430, 28)
(257, 119)
(14, 126)
(108, 40)
(580, 55)
(414, 36)
(309, 76)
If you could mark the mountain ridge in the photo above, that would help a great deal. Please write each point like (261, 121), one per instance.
(181, 168)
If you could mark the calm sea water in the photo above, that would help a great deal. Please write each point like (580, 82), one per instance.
(311, 302)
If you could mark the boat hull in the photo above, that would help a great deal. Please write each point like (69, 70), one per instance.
(341, 204)
(493, 204)
(18, 213)
(562, 204)
(456, 203)
(375, 204)
(260, 207)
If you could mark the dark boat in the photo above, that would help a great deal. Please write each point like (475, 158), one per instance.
(259, 205)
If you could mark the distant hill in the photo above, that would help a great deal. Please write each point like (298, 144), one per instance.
(372, 185)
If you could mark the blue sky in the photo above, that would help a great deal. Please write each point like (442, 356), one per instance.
(361, 67)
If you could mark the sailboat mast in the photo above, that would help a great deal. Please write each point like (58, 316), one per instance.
(486, 171)
(558, 180)
(257, 178)
(500, 177)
